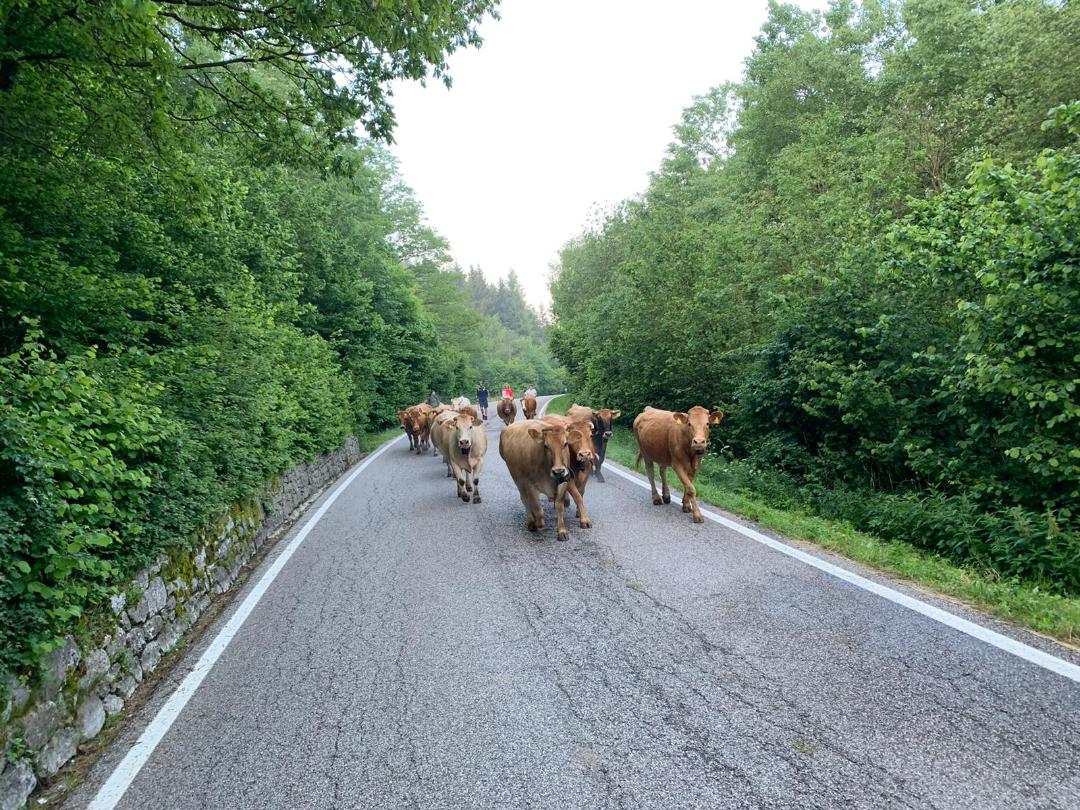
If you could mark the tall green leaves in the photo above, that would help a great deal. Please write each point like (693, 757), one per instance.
(817, 252)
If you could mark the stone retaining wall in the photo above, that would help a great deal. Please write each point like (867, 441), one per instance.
(42, 727)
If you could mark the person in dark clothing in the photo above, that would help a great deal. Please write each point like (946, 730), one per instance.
(433, 399)
(482, 399)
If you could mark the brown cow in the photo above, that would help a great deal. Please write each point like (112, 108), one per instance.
(463, 442)
(410, 430)
(539, 462)
(507, 410)
(582, 450)
(528, 407)
(468, 409)
(601, 419)
(422, 417)
(677, 440)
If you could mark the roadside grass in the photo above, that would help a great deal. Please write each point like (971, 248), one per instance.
(371, 441)
(1015, 600)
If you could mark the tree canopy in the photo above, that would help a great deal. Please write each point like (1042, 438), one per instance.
(866, 251)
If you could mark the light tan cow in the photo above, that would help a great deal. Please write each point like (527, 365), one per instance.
(507, 410)
(538, 458)
(438, 427)
(677, 440)
(463, 443)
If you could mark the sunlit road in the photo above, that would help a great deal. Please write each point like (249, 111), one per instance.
(421, 652)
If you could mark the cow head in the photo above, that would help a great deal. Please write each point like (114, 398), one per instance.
(696, 426)
(463, 425)
(579, 440)
(601, 422)
(403, 418)
(553, 438)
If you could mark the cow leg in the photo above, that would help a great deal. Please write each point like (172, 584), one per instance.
(664, 484)
(462, 479)
(689, 495)
(560, 517)
(533, 511)
(579, 501)
(652, 483)
(601, 452)
(476, 482)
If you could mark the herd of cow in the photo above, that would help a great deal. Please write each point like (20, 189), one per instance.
(554, 455)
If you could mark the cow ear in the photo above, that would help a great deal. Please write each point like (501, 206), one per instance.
(716, 417)
(680, 417)
(536, 434)
(616, 414)
(477, 421)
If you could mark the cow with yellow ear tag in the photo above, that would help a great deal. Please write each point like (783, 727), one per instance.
(678, 440)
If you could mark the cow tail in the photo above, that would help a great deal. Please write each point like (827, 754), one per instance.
(637, 463)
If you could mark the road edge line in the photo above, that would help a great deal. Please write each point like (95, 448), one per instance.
(1002, 642)
(114, 788)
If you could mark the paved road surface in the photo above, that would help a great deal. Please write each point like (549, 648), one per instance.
(420, 652)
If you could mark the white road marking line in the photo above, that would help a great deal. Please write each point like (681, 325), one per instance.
(994, 639)
(124, 774)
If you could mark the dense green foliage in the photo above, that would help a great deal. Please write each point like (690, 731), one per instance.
(867, 250)
(203, 277)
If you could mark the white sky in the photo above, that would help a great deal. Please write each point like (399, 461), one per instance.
(566, 108)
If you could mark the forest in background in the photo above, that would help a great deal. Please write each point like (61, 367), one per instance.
(210, 269)
(867, 251)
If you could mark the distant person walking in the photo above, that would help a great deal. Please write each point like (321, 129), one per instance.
(433, 399)
(482, 399)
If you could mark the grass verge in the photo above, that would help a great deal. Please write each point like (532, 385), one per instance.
(371, 441)
(1015, 600)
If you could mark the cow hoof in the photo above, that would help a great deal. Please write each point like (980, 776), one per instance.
(476, 499)
(585, 524)
(686, 508)
(465, 497)
(667, 499)
(699, 519)
(657, 501)
(532, 525)
(563, 535)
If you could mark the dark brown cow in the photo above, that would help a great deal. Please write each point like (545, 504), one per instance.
(528, 407)
(677, 440)
(507, 410)
(539, 462)
(601, 419)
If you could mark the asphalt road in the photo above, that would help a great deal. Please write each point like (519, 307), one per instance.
(419, 652)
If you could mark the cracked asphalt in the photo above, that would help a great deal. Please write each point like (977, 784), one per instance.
(424, 653)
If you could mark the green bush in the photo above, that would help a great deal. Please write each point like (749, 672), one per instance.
(78, 456)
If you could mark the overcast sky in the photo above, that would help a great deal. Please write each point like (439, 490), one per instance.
(564, 110)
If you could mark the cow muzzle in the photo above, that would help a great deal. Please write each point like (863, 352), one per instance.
(607, 434)
(698, 448)
(465, 447)
(560, 474)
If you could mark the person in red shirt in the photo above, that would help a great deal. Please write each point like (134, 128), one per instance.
(508, 391)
